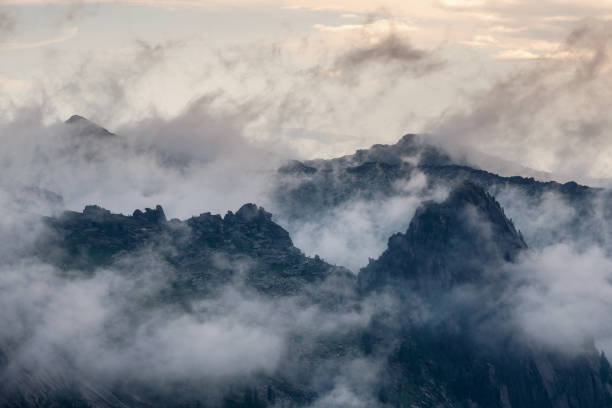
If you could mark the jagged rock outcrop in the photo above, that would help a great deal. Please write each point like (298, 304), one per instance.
(96, 237)
(447, 244)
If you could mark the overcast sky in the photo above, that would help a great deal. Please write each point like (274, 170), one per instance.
(503, 76)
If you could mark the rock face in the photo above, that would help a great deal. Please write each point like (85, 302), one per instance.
(447, 244)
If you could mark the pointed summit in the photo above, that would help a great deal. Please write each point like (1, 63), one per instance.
(76, 119)
(85, 127)
(447, 243)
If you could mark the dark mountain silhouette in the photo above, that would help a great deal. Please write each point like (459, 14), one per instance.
(468, 355)
(373, 171)
(85, 127)
(439, 329)
(96, 237)
(465, 356)
(310, 190)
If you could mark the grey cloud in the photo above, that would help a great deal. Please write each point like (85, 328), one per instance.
(296, 93)
(7, 23)
(392, 49)
(593, 36)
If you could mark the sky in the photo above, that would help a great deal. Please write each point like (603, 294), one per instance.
(523, 81)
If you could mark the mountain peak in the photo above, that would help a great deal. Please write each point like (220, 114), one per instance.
(152, 215)
(85, 127)
(447, 243)
(75, 119)
(249, 212)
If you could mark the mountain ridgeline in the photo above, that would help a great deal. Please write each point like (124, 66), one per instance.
(95, 238)
(428, 323)
(313, 189)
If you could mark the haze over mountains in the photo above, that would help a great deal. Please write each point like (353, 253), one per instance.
(393, 277)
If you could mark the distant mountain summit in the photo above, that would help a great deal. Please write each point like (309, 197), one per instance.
(85, 127)
(307, 191)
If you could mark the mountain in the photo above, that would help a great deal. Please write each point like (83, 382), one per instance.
(244, 255)
(463, 351)
(225, 311)
(467, 352)
(96, 237)
(311, 190)
(373, 172)
(86, 128)
(447, 244)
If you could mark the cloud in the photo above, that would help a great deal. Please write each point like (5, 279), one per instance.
(104, 88)
(80, 317)
(116, 326)
(391, 49)
(379, 41)
(351, 233)
(564, 297)
(548, 115)
(7, 23)
(13, 84)
(201, 155)
(65, 36)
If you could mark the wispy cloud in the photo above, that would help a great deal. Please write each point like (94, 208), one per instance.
(17, 45)
(7, 23)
